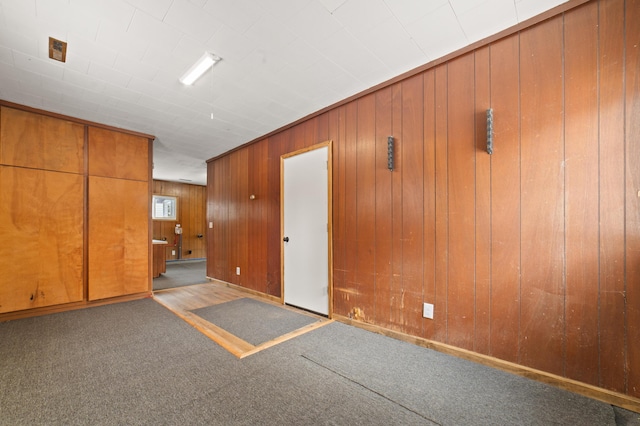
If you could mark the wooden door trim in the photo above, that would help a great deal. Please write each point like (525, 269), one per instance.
(329, 145)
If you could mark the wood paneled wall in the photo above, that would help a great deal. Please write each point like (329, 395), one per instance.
(530, 255)
(191, 217)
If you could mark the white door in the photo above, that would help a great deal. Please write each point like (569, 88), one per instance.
(305, 224)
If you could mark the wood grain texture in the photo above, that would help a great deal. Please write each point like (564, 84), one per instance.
(257, 218)
(383, 211)
(542, 342)
(505, 200)
(37, 141)
(159, 260)
(218, 215)
(412, 203)
(118, 155)
(350, 289)
(337, 134)
(365, 208)
(396, 291)
(461, 196)
(274, 231)
(441, 267)
(581, 193)
(482, 337)
(41, 224)
(632, 216)
(429, 199)
(118, 237)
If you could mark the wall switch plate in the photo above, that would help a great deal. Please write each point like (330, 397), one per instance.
(427, 310)
(173, 252)
(210, 225)
(237, 270)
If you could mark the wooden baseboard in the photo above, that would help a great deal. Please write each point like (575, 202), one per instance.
(590, 391)
(46, 310)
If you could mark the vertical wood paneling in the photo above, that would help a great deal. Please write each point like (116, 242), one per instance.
(365, 207)
(461, 188)
(429, 198)
(383, 210)
(442, 211)
(632, 143)
(257, 217)
(350, 288)
(337, 134)
(213, 200)
(412, 204)
(220, 217)
(274, 237)
(322, 128)
(581, 193)
(505, 200)
(190, 216)
(510, 248)
(396, 296)
(239, 168)
(483, 204)
(542, 185)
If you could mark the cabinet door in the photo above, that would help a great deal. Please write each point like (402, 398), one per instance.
(40, 142)
(41, 228)
(118, 237)
(118, 155)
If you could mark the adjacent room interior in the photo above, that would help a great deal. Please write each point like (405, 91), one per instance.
(420, 214)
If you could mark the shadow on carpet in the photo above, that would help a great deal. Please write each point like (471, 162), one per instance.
(253, 321)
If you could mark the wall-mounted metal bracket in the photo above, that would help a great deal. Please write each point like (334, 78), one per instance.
(490, 131)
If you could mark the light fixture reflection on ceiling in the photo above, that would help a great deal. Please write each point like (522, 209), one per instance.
(204, 63)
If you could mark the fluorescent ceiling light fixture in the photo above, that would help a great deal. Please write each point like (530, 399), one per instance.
(195, 72)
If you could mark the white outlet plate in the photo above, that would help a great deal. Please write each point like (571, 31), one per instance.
(210, 225)
(427, 310)
(237, 270)
(173, 252)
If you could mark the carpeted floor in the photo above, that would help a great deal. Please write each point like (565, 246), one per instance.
(182, 273)
(136, 363)
(254, 321)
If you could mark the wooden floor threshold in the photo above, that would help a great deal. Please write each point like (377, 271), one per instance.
(183, 300)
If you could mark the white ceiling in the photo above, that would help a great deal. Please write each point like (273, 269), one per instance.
(282, 60)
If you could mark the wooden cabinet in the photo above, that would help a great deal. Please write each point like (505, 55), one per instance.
(118, 237)
(118, 155)
(40, 142)
(159, 258)
(41, 226)
(74, 212)
(119, 244)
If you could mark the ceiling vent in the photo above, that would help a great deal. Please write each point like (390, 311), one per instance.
(57, 50)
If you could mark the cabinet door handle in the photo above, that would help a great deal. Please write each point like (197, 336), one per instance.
(285, 239)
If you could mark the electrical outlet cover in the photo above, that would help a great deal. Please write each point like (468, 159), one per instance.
(427, 310)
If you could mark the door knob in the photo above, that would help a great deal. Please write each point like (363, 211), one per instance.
(285, 239)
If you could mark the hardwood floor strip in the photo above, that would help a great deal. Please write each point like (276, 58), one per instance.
(182, 300)
(285, 337)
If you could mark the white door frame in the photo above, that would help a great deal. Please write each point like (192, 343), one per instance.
(329, 145)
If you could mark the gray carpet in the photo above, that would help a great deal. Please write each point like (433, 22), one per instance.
(136, 363)
(182, 273)
(254, 321)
